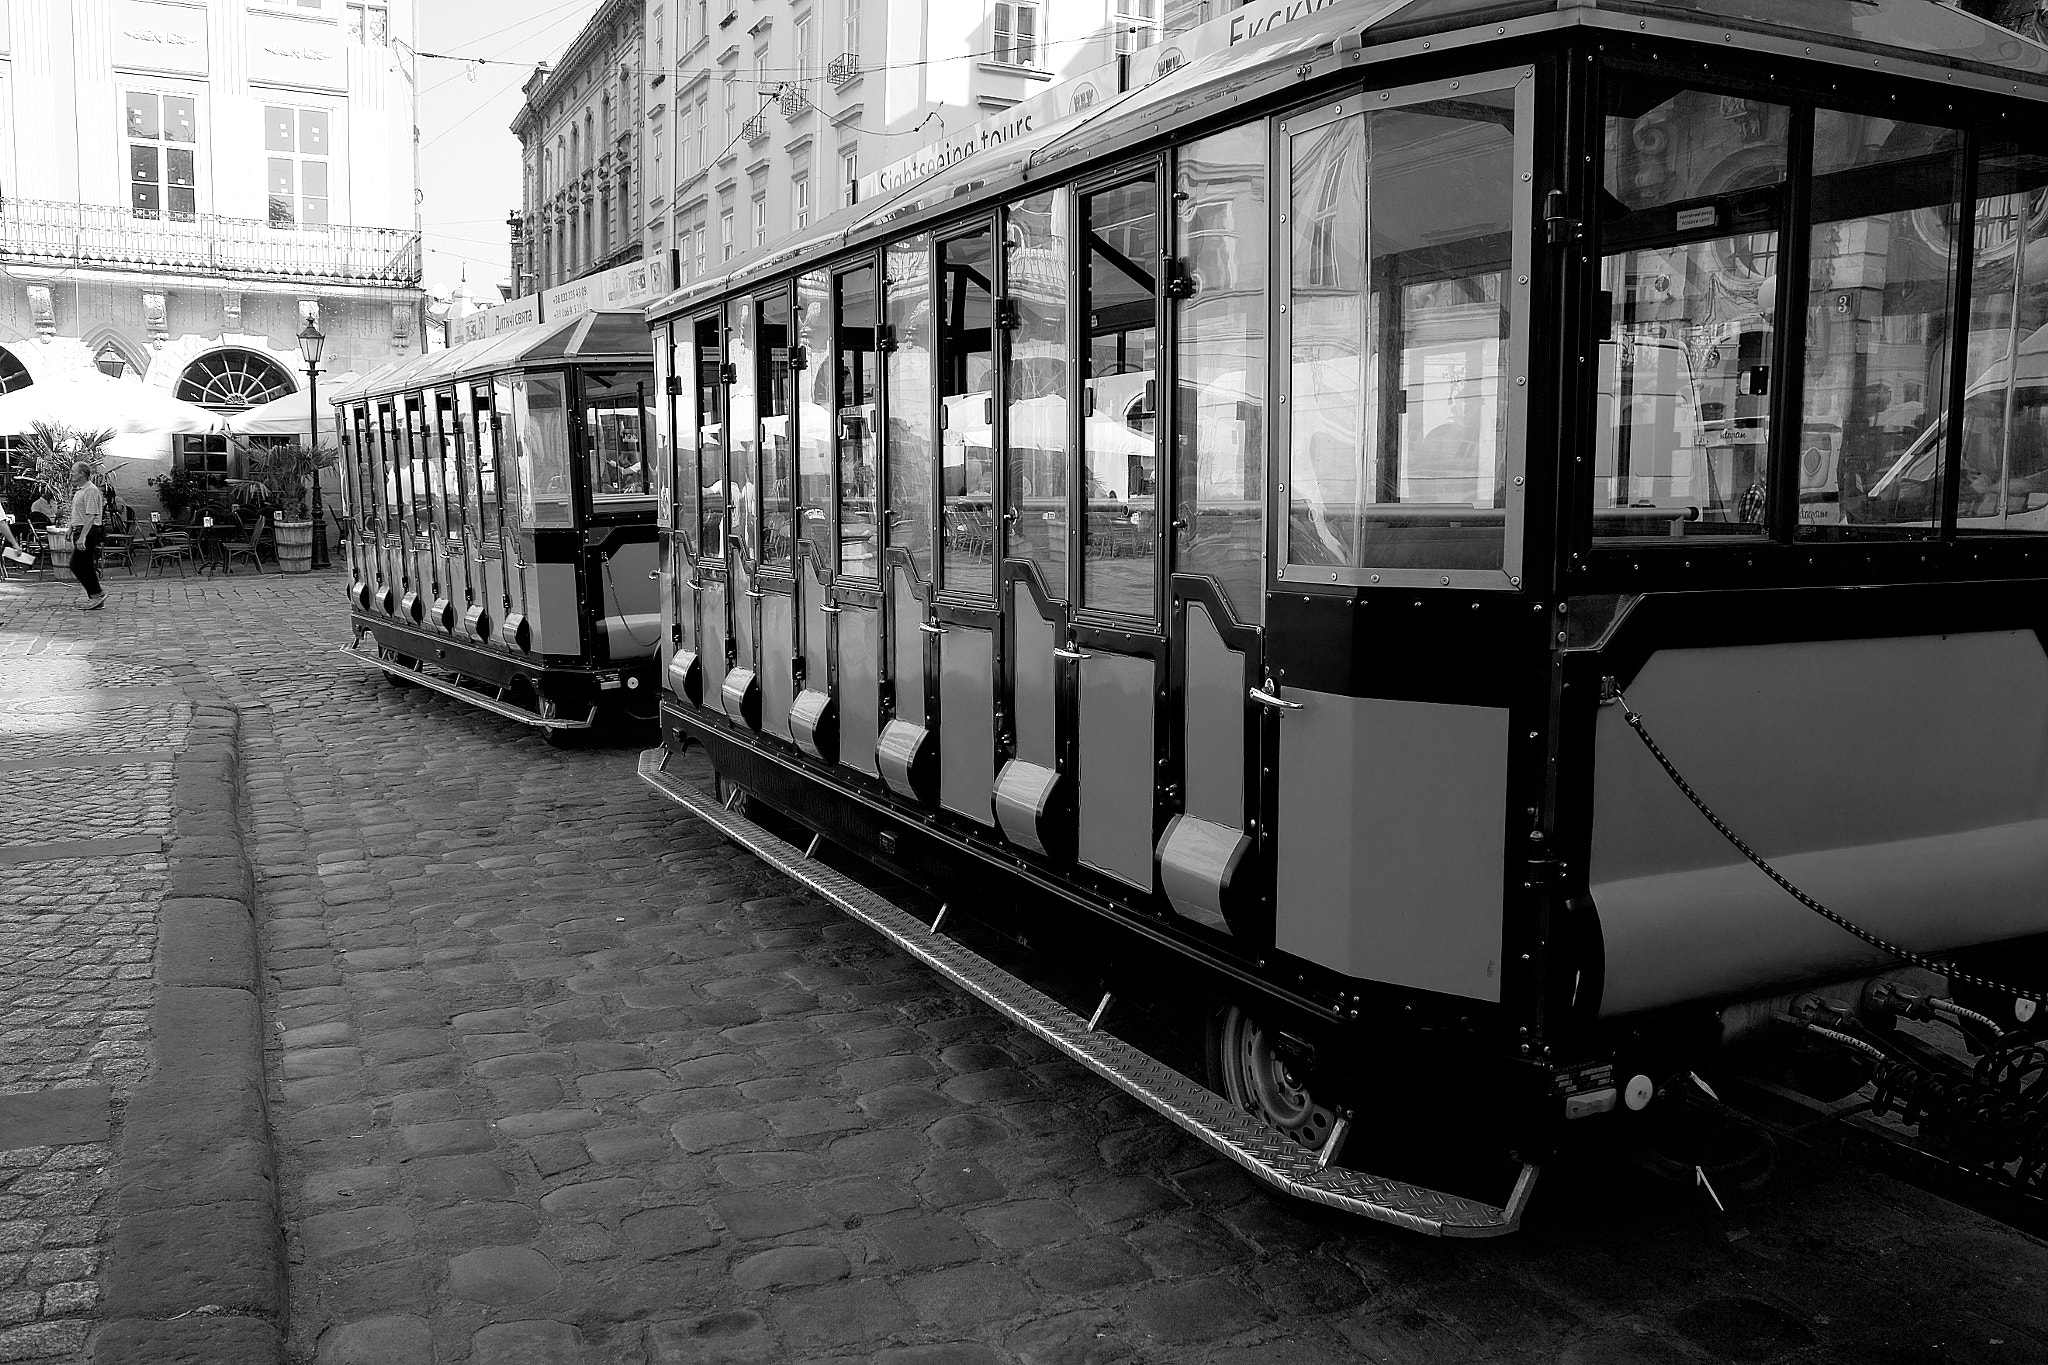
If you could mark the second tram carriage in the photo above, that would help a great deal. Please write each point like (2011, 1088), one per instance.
(1225, 537)
(502, 548)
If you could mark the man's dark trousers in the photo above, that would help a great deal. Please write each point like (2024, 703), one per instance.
(85, 561)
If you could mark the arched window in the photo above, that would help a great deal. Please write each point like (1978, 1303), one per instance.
(13, 374)
(232, 380)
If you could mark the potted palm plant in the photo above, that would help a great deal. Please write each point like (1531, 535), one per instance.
(283, 471)
(55, 450)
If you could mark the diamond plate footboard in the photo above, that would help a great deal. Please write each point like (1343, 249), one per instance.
(1204, 1114)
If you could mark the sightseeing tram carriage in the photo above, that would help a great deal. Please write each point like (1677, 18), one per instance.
(1229, 538)
(503, 542)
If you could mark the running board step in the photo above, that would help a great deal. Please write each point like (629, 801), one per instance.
(1203, 1113)
(449, 689)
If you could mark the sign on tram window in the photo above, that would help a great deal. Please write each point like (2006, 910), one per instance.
(1401, 263)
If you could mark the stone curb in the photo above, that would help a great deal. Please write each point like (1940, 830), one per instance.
(196, 1272)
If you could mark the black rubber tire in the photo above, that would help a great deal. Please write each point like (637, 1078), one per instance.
(1245, 1069)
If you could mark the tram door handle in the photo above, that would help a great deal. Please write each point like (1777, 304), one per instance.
(656, 574)
(1073, 654)
(1265, 698)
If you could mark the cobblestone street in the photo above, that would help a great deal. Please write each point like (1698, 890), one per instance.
(557, 1075)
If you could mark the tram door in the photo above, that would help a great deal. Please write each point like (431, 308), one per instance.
(1116, 648)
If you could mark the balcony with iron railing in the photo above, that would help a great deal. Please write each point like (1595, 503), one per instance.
(843, 70)
(795, 100)
(52, 233)
(755, 129)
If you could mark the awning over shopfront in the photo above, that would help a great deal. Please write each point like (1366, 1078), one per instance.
(90, 401)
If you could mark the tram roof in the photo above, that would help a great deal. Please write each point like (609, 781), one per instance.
(1902, 33)
(591, 336)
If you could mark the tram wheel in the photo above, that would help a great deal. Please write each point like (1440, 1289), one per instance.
(403, 661)
(1247, 1069)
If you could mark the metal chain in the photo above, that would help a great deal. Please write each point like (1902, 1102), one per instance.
(1882, 945)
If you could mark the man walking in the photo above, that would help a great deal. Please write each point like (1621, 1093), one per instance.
(88, 512)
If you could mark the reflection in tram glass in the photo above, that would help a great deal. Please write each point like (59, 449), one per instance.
(771, 361)
(814, 412)
(1036, 393)
(854, 395)
(966, 387)
(709, 477)
(1880, 313)
(541, 418)
(908, 367)
(1119, 403)
(1694, 188)
(1400, 236)
(742, 432)
(616, 414)
(1220, 334)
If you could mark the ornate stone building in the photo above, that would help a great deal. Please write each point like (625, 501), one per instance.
(186, 182)
(582, 203)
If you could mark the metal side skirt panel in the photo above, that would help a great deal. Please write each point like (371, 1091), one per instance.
(1197, 1110)
(463, 694)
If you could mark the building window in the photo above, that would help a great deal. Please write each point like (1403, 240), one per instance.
(233, 380)
(703, 129)
(1137, 25)
(850, 23)
(370, 23)
(703, 247)
(1016, 33)
(686, 143)
(163, 133)
(732, 107)
(296, 142)
(760, 220)
(803, 47)
(205, 458)
(849, 178)
(725, 235)
(660, 37)
(800, 202)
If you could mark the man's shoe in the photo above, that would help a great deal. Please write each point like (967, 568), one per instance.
(95, 603)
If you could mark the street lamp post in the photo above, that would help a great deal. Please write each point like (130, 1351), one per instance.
(311, 342)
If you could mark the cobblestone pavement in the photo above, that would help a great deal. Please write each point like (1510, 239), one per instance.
(560, 1077)
(86, 738)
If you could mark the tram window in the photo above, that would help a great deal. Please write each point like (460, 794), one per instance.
(742, 431)
(1880, 318)
(367, 500)
(1220, 333)
(392, 464)
(814, 413)
(415, 457)
(771, 367)
(708, 476)
(908, 370)
(854, 364)
(1035, 384)
(2003, 483)
(448, 447)
(1400, 238)
(1695, 186)
(542, 420)
(505, 405)
(966, 409)
(489, 521)
(1119, 404)
(615, 416)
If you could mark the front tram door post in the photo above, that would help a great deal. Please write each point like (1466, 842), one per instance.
(1116, 650)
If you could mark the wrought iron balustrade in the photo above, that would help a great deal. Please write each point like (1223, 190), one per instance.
(50, 232)
(843, 70)
(755, 129)
(795, 100)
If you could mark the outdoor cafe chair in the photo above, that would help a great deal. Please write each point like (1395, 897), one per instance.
(249, 548)
(119, 545)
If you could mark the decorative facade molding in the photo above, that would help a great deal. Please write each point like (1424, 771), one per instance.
(156, 317)
(43, 309)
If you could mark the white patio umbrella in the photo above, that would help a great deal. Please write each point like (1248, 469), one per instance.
(285, 416)
(90, 401)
